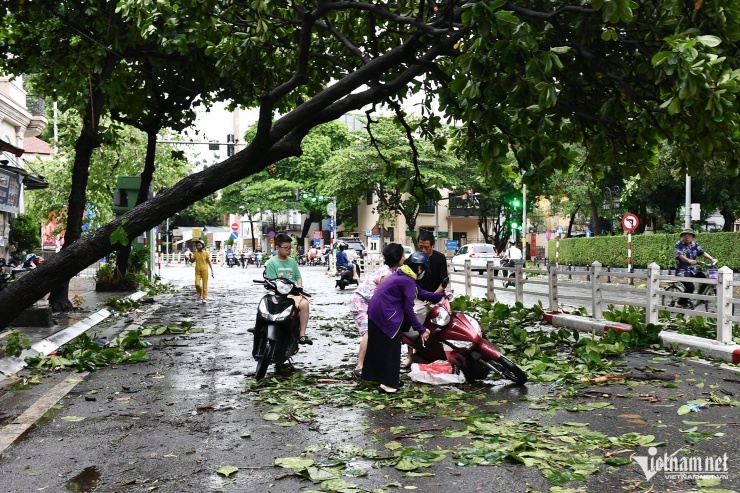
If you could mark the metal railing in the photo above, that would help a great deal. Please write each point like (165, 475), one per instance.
(596, 289)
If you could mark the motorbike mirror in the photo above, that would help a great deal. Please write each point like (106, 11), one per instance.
(445, 281)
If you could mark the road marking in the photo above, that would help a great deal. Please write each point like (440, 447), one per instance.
(11, 432)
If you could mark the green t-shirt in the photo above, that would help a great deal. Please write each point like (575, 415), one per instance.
(278, 268)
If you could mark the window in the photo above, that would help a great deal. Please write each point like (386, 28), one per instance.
(369, 197)
(428, 207)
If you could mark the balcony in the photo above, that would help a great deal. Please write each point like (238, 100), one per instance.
(38, 123)
(463, 212)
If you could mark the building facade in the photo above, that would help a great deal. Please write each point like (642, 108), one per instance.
(21, 117)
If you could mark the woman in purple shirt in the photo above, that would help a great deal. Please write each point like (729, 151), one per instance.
(390, 311)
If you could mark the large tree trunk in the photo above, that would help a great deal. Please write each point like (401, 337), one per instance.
(84, 147)
(274, 140)
(729, 217)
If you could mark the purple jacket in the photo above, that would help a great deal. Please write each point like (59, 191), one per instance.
(394, 300)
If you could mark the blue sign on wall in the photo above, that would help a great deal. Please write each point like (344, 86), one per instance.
(234, 235)
(452, 244)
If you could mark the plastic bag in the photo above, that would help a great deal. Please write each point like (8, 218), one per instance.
(437, 373)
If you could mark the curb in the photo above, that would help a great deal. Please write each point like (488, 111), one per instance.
(10, 365)
(708, 347)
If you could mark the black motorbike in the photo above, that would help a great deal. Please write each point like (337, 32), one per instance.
(231, 260)
(344, 278)
(276, 329)
(511, 274)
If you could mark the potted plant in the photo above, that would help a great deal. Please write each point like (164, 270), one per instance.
(110, 278)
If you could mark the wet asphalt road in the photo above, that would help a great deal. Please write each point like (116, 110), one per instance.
(169, 424)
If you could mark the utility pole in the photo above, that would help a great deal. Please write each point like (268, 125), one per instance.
(687, 204)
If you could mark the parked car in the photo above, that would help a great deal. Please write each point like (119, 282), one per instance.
(407, 250)
(479, 254)
(354, 243)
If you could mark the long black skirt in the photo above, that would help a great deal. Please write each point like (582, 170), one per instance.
(382, 358)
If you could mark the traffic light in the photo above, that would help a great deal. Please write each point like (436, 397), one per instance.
(229, 145)
(515, 203)
(514, 225)
(298, 193)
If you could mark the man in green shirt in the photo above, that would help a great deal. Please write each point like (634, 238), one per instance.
(283, 265)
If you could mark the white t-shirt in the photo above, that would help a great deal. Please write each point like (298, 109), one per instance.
(514, 253)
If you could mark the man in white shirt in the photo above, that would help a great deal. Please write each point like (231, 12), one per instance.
(514, 252)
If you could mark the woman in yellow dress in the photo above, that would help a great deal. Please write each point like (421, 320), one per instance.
(202, 264)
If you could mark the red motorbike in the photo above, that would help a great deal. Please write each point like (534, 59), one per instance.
(457, 338)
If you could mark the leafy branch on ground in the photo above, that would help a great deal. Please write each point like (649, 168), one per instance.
(122, 304)
(481, 437)
(15, 343)
(155, 286)
(87, 354)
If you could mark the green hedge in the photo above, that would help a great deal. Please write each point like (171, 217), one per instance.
(659, 248)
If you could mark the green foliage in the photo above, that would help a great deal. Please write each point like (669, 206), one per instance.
(646, 249)
(119, 235)
(85, 354)
(109, 273)
(25, 232)
(15, 343)
(155, 286)
(121, 304)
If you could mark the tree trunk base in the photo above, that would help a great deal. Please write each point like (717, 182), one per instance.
(61, 305)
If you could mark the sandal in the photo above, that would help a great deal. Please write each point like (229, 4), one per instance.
(357, 373)
(383, 391)
(305, 340)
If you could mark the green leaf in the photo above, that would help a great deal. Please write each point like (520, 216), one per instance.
(73, 418)
(683, 410)
(227, 470)
(709, 40)
(296, 463)
(406, 465)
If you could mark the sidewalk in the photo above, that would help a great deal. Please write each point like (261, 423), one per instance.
(67, 325)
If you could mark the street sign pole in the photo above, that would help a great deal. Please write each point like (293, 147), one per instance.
(629, 223)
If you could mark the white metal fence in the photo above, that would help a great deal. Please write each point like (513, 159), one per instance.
(596, 289)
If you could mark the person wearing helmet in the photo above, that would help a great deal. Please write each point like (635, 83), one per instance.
(343, 262)
(686, 252)
(390, 311)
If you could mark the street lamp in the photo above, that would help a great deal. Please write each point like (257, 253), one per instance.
(611, 201)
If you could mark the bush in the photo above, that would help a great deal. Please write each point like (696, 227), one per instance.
(25, 232)
(659, 248)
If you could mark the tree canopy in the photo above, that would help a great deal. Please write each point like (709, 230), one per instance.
(533, 78)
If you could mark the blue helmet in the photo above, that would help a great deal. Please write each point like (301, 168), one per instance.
(417, 258)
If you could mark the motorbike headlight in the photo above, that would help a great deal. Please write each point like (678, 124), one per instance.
(459, 344)
(284, 287)
(442, 318)
(279, 317)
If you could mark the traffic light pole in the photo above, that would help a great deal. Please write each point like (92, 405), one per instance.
(524, 222)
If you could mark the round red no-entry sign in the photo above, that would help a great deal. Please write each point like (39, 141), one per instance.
(235, 227)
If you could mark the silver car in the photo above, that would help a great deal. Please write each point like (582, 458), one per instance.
(479, 254)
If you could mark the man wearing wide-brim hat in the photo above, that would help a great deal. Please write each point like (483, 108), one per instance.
(202, 264)
(687, 250)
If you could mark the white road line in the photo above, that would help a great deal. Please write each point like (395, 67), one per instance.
(11, 432)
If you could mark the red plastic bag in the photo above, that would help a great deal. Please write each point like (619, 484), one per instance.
(438, 366)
